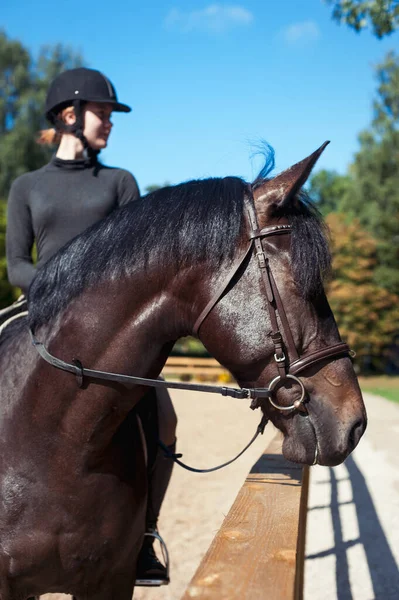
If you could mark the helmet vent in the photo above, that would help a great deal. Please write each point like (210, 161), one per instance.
(109, 86)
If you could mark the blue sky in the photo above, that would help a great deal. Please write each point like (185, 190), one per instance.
(208, 80)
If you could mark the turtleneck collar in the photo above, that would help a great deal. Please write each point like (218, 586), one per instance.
(74, 164)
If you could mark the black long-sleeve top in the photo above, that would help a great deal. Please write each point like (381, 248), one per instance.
(56, 203)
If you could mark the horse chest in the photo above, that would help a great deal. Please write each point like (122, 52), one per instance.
(72, 538)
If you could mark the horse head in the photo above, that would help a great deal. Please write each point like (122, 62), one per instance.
(278, 291)
(255, 257)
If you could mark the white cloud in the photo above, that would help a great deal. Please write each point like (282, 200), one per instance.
(307, 31)
(214, 18)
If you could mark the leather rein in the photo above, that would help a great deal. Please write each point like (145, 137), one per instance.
(289, 364)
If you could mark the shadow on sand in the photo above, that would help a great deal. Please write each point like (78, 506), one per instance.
(381, 563)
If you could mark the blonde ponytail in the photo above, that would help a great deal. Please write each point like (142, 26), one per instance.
(50, 137)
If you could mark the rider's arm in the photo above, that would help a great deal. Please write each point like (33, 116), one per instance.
(19, 237)
(128, 189)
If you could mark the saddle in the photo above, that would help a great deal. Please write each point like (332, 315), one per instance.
(17, 309)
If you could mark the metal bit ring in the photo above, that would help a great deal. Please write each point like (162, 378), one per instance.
(297, 403)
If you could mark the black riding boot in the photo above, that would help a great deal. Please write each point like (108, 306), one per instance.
(150, 571)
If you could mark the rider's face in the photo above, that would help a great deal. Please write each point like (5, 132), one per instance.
(97, 120)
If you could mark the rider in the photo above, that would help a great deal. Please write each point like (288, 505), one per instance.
(53, 204)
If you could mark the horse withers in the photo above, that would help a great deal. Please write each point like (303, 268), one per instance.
(240, 264)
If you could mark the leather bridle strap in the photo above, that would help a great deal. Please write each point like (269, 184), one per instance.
(221, 289)
(80, 372)
(274, 303)
(130, 380)
(176, 457)
(293, 364)
(313, 358)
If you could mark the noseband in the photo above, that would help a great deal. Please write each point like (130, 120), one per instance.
(289, 364)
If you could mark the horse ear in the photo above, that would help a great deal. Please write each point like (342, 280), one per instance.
(280, 190)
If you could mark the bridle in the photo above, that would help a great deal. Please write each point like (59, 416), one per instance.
(288, 362)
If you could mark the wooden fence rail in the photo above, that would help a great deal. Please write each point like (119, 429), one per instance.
(194, 367)
(258, 552)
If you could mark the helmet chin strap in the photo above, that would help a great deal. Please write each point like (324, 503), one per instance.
(76, 129)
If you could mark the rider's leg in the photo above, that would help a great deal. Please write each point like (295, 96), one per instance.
(149, 567)
(162, 468)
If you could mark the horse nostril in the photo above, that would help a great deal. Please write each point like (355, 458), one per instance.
(356, 433)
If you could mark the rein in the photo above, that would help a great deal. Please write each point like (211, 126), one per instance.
(289, 364)
(130, 380)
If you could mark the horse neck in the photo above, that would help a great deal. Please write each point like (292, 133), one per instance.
(125, 329)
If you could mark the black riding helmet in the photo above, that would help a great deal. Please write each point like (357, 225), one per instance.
(82, 85)
(74, 88)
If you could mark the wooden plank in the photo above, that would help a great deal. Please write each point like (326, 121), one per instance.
(255, 553)
(303, 514)
(192, 361)
(195, 367)
(194, 372)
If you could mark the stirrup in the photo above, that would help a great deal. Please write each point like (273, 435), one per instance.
(165, 556)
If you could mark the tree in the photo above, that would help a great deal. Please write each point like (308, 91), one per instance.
(375, 173)
(328, 189)
(153, 187)
(7, 294)
(367, 314)
(382, 15)
(23, 85)
(369, 191)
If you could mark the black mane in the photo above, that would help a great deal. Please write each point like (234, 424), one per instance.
(196, 221)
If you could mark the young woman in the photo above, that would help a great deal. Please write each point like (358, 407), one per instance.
(52, 205)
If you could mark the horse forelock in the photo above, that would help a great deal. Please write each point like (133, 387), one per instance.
(310, 247)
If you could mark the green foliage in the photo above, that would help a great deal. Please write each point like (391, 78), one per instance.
(389, 394)
(153, 187)
(386, 106)
(7, 294)
(375, 174)
(366, 313)
(381, 15)
(387, 387)
(189, 346)
(369, 192)
(23, 85)
(328, 189)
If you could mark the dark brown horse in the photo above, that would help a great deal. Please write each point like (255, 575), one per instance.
(72, 471)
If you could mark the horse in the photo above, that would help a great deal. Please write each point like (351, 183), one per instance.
(241, 266)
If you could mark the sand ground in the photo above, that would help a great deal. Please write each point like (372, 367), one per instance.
(211, 429)
(352, 543)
